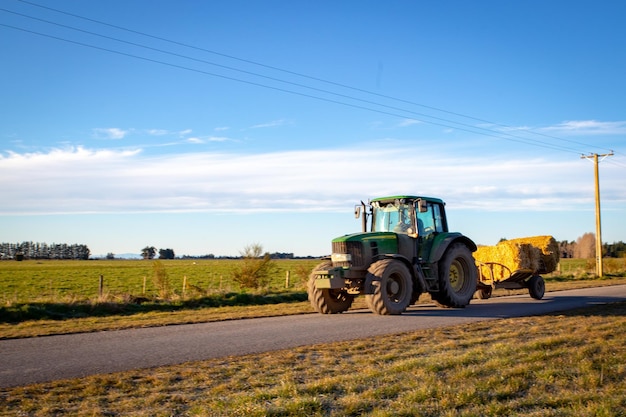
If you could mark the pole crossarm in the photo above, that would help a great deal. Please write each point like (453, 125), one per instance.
(595, 156)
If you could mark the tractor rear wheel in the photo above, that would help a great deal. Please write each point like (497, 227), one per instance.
(327, 301)
(457, 277)
(389, 287)
(536, 287)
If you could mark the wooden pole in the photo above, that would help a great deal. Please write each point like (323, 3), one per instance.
(184, 285)
(287, 276)
(101, 285)
(599, 266)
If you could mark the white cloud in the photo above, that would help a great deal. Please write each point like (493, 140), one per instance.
(157, 132)
(78, 180)
(408, 122)
(588, 127)
(110, 133)
(197, 140)
(273, 123)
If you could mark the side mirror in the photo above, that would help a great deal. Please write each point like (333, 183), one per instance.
(421, 206)
(357, 212)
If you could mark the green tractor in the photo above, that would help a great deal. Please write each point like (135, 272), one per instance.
(407, 251)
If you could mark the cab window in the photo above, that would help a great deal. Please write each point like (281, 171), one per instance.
(431, 221)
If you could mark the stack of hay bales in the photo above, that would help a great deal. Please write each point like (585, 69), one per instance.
(539, 254)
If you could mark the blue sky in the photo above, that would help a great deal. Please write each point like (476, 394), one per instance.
(205, 126)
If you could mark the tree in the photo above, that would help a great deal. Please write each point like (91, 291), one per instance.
(585, 246)
(256, 270)
(166, 254)
(148, 252)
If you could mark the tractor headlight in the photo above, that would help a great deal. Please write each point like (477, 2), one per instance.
(341, 257)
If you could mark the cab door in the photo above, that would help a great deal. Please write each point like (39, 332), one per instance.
(430, 222)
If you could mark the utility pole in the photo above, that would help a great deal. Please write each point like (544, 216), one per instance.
(595, 156)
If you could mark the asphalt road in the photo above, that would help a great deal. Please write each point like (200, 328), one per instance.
(41, 359)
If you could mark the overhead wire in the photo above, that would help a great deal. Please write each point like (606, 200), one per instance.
(531, 131)
(465, 127)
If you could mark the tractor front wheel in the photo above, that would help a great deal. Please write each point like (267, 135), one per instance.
(457, 277)
(389, 287)
(327, 301)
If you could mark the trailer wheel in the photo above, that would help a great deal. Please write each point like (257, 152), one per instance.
(389, 287)
(483, 293)
(457, 277)
(536, 287)
(327, 301)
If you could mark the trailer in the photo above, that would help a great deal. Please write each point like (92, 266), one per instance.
(494, 275)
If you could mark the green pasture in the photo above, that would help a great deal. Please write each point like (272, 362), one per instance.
(71, 281)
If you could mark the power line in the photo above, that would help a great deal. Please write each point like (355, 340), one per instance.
(507, 136)
(530, 131)
(466, 127)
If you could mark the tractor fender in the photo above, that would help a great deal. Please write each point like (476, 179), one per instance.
(440, 247)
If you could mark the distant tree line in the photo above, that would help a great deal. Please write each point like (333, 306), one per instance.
(37, 250)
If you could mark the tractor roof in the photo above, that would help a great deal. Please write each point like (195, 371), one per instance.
(408, 197)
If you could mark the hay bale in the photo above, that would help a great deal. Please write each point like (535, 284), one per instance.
(549, 249)
(506, 257)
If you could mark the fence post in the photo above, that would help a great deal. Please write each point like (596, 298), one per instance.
(144, 285)
(100, 285)
(184, 285)
(287, 276)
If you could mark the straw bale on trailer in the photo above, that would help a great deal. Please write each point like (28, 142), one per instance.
(539, 254)
(507, 257)
(549, 249)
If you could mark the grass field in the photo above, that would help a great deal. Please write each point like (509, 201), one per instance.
(43, 281)
(71, 281)
(566, 364)
(52, 297)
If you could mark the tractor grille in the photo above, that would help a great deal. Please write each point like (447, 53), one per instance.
(353, 248)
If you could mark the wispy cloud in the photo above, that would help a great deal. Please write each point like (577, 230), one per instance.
(157, 132)
(408, 122)
(110, 133)
(273, 123)
(588, 127)
(566, 128)
(207, 139)
(79, 180)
